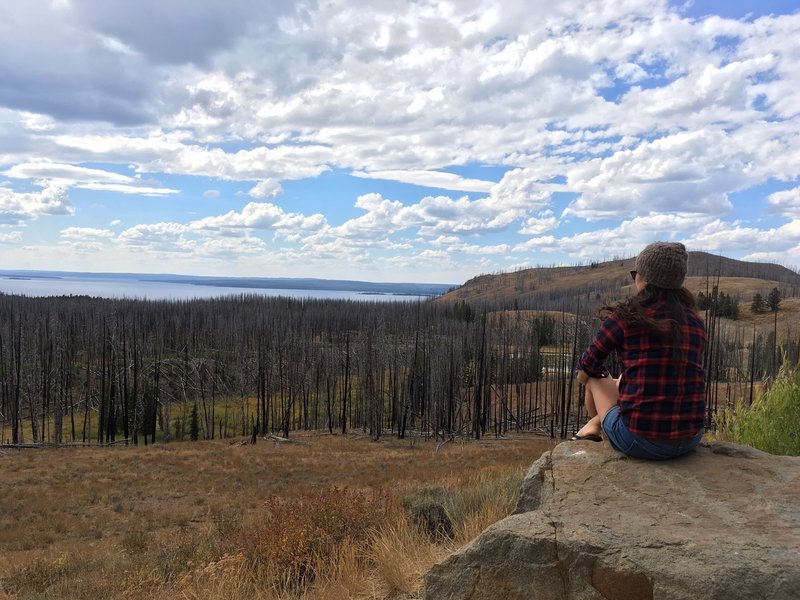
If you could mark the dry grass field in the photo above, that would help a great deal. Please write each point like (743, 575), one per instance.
(321, 517)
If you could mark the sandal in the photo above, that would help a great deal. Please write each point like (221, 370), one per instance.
(591, 437)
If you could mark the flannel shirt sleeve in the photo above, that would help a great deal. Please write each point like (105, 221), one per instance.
(608, 338)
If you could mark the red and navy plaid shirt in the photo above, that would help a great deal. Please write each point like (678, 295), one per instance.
(659, 397)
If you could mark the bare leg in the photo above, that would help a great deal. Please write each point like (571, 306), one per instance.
(601, 395)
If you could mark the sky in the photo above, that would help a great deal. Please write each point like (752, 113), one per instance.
(392, 140)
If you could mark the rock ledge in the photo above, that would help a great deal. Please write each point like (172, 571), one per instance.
(592, 524)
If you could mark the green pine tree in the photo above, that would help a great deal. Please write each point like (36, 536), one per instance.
(194, 427)
(774, 300)
(758, 305)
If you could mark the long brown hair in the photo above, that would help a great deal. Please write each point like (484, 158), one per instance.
(633, 311)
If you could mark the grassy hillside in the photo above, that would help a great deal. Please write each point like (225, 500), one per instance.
(553, 287)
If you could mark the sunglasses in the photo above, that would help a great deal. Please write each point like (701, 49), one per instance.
(633, 275)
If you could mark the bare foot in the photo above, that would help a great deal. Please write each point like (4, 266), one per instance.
(586, 431)
(592, 427)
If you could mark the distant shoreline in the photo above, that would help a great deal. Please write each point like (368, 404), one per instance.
(65, 282)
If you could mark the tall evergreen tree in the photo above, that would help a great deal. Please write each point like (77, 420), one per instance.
(758, 305)
(774, 300)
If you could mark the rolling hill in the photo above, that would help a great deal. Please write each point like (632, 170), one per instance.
(554, 288)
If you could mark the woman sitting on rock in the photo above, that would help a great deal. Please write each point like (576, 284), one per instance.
(656, 409)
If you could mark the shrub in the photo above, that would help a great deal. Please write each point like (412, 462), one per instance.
(176, 558)
(286, 549)
(227, 521)
(456, 511)
(135, 541)
(772, 422)
(40, 575)
(480, 501)
(427, 506)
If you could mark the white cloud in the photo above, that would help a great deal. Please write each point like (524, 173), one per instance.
(36, 122)
(630, 72)
(538, 226)
(786, 203)
(66, 175)
(265, 189)
(684, 172)
(381, 219)
(140, 190)
(435, 254)
(622, 111)
(12, 237)
(82, 233)
(81, 247)
(431, 216)
(524, 189)
(231, 248)
(63, 174)
(434, 179)
(626, 239)
(476, 249)
(258, 215)
(779, 242)
(172, 153)
(712, 94)
(158, 237)
(719, 235)
(18, 207)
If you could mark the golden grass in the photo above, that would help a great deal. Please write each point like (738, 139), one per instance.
(170, 521)
(401, 554)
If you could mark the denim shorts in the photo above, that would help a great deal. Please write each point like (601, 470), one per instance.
(639, 447)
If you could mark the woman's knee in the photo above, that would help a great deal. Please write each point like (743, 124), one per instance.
(605, 394)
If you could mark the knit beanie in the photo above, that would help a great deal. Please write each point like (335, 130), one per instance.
(663, 264)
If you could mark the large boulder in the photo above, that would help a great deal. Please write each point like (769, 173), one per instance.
(721, 523)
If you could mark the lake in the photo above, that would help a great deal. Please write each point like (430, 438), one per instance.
(106, 287)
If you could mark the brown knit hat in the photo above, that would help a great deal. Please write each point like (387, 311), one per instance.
(663, 264)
